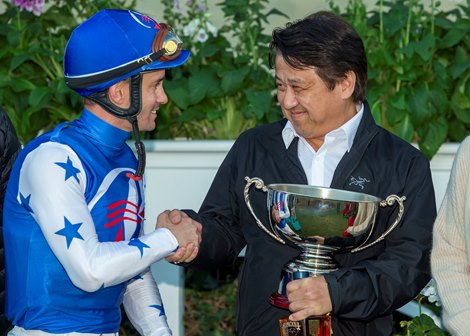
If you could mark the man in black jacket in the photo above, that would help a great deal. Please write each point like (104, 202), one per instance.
(328, 138)
(9, 149)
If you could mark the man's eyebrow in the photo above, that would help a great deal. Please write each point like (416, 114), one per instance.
(291, 80)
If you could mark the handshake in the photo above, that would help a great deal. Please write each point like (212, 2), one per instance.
(186, 231)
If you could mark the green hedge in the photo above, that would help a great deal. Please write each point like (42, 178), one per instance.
(418, 56)
(32, 87)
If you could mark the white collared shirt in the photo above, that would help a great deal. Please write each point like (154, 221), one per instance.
(319, 166)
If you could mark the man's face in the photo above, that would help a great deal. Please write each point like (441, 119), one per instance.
(153, 95)
(309, 105)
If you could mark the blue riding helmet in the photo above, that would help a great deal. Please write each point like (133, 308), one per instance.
(113, 45)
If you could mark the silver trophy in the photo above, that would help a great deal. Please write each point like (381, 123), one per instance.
(320, 222)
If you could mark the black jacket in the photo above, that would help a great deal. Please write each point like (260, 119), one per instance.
(9, 148)
(370, 284)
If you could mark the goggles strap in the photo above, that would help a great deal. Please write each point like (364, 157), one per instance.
(84, 82)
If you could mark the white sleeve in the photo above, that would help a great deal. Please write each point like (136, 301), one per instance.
(144, 306)
(59, 207)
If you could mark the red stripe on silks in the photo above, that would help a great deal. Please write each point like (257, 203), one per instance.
(119, 236)
(118, 203)
(118, 220)
(115, 213)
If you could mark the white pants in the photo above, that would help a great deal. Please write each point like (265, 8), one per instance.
(19, 331)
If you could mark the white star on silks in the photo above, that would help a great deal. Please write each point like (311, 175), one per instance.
(160, 308)
(70, 231)
(70, 170)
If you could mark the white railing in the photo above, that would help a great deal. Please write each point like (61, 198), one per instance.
(178, 175)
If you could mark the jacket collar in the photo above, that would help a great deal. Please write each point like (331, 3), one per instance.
(101, 131)
(366, 132)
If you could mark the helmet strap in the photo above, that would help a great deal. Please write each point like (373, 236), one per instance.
(139, 145)
(102, 99)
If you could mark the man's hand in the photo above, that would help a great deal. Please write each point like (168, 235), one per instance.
(186, 230)
(308, 297)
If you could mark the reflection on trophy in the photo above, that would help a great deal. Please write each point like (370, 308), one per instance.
(320, 222)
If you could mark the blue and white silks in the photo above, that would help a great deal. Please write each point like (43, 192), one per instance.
(73, 230)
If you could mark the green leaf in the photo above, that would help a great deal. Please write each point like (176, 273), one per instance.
(398, 101)
(21, 84)
(461, 106)
(191, 114)
(452, 37)
(424, 325)
(408, 50)
(439, 100)
(440, 71)
(197, 87)
(13, 37)
(260, 102)
(418, 105)
(435, 133)
(39, 97)
(208, 78)
(376, 112)
(232, 80)
(461, 62)
(208, 50)
(275, 11)
(18, 60)
(457, 130)
(457, 69)
(215, 114)
(393, 114)
(404, 129)
(425, 47)
(177, 92)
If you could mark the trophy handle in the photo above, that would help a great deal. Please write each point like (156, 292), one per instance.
(259, 184)
(390, 200)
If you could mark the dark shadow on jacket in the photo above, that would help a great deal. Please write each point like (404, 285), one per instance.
(9, 149)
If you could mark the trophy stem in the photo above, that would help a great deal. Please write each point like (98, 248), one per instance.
(314, 260)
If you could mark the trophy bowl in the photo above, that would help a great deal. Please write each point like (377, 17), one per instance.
(320, 222)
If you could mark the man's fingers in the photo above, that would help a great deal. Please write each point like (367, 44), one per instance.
(300, 315)
(178, 255)
(160, 218)
(184, 254)
(303, 309)
(193, 255)
(175, 216)
(189, 251)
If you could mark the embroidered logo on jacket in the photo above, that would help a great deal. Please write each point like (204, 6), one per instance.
(358, 181)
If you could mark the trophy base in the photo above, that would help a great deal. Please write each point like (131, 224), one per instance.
(279, 300)
(311, 326)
